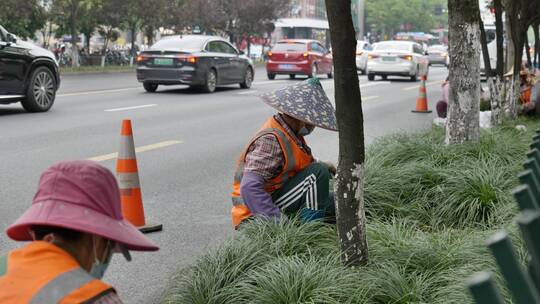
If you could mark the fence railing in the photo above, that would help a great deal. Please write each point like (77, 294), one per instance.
(522, 282)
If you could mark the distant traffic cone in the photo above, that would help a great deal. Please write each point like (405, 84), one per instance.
(421, 101)
(127, 174)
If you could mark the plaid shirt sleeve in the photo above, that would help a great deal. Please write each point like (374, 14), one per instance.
(265, 157)
(109, 297)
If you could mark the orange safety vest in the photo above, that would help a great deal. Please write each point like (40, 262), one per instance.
(296, 160)
(41, 272)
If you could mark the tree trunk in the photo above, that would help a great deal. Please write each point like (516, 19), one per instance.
(497, 85)
(509, 46)
(133, 39)
(485, 51)
(351, 221)
(527, 47)
(74, 34)
(248, 45)
(499, 30)
(464, 99)
(536, 44)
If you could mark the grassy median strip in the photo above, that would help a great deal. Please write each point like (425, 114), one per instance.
(430, 208)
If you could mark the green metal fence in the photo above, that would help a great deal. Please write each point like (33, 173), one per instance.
(523, 283)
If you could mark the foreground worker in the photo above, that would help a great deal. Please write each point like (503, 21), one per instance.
(276, 174)
(75, 224)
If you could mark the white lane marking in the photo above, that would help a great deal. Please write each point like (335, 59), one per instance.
(155, 146)
(427, 85)
(248, 92)
(369, 98)
(97, 92)
(131, 108)
(269, 82)
(374, 84)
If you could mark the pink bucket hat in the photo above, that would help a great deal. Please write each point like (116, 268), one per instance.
(80, 195)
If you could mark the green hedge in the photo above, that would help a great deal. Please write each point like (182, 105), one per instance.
(430, 207)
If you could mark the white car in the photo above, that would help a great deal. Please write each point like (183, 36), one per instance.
(362, 51)
(397, 58)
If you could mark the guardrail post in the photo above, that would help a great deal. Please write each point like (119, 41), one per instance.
(519, 284)
(535, 144)
(529, 224)
(483, 289)
(527, 178)
(525, 198)
(531, 164)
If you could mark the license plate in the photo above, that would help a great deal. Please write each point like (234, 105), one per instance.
(163, 61)
(388, 58)
(286, 66)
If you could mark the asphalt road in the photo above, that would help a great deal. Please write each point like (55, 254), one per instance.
(192, 142)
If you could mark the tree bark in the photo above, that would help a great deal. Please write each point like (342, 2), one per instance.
(464, 99)
(351, 221)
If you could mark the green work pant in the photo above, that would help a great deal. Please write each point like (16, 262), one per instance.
(308, 195)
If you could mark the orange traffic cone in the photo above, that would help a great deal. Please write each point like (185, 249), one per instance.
(127, 175)
(421, 101)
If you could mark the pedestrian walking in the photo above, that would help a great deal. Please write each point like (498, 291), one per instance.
(74, 226)
(276, 174)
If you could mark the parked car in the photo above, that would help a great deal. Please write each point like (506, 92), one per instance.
(28, 74)
(299, 57)
(362, 51)
(199, 61)
(397, 58)
(438, 54)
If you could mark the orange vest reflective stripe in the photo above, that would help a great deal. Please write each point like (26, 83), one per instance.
(295, 159)
(41, 272)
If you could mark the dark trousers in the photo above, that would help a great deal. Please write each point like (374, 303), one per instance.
(308, 195)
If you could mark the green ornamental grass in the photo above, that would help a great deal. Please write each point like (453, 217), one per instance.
(430, 208)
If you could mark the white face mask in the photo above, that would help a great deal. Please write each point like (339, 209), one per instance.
(98, 268)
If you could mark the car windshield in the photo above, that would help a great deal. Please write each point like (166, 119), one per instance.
(392, 46)
(184, 44)
(290, 47)
(438, 48)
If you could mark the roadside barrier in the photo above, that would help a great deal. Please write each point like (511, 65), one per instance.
(523, 283)
(421, 101)
(127, 174)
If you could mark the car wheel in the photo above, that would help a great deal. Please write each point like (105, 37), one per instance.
(41, 91)
(292, 76)
(210, 82)
(313, 72)
(363, 72)
(371, 77)
(271, 76)
(150, 87)
(331, 74)
(248, 79)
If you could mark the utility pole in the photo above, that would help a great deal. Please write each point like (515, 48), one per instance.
(361, 16)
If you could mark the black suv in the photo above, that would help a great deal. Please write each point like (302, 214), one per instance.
(28, 74)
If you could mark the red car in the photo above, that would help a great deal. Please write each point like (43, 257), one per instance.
(299, 57)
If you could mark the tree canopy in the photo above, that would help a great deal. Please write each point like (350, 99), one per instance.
(391, 16)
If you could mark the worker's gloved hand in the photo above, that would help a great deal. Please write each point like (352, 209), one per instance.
(331, 167)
